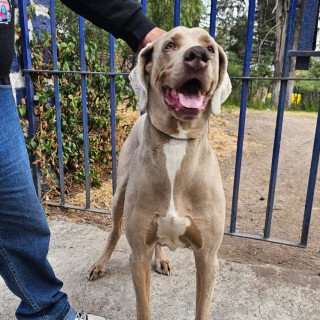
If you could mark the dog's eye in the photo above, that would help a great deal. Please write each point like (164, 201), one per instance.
(170, 46)
(210, 49)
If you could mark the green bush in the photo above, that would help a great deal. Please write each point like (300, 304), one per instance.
(44, 143)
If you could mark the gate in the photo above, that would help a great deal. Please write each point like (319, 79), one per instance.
(304, 52)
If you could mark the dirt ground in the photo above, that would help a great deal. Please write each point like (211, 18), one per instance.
(293, 173)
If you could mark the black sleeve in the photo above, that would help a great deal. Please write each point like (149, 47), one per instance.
(122, 18)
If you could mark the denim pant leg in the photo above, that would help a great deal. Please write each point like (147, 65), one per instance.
(24, 231)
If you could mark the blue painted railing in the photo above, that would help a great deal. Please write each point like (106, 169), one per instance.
(242, 118)
(281, 105)
(29, 91)
(241, 130)
(84, 112)
(57, 101)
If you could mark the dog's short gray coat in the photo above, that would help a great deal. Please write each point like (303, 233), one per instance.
(169, 185)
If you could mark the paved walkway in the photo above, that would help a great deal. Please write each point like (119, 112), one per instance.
(243, 292)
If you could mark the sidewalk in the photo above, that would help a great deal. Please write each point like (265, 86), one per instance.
(243, 291)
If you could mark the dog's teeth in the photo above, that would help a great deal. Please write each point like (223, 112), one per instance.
(174, 93)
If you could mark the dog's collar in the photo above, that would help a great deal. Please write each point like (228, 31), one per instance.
(173, 137)
(177, 137)
(182, 135)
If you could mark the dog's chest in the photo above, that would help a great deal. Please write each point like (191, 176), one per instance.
(172, 226)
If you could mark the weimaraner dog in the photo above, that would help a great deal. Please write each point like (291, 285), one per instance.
(169, 185)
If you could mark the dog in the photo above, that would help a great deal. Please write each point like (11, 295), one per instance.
(169, 185)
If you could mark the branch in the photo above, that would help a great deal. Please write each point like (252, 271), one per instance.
(264, 39)
(275, 7)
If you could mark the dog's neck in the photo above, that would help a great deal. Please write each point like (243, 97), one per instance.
(155, 137)
(180, 136)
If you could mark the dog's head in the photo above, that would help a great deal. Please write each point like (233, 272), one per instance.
(186, 69)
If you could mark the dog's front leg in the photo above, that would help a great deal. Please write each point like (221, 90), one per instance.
(140, 269)
(207, 266)
(99, 268)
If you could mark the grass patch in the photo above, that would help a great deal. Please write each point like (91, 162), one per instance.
(234, 102)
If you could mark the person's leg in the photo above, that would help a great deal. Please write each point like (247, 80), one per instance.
(24, 232)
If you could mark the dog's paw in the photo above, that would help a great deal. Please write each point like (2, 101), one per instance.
(96, 271)
(163, 266)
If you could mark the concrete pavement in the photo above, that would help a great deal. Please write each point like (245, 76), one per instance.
(243, 291)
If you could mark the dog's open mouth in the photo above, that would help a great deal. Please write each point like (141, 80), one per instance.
(188, 98)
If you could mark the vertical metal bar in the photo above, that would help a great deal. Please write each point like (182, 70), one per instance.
(242, 117)
(177, 8)
(144, 10)
(281, 105)
(144, 6)
(311, 184)
(308, 30)
(113, 115)
(213, 18)
(27, 64)
(57, 100)
(84, 110)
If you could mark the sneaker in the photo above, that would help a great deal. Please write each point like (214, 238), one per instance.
(84, 316)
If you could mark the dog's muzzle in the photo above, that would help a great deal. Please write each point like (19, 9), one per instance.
(191, 97)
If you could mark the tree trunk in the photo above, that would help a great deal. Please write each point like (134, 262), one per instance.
(292, 71)
(281, 23)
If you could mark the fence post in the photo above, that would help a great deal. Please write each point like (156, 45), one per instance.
(84, 111)
(242, 117)
(113, 114)
(281, 105)
(57, 99)
(26, 59)
(311, 184)
(177, 8)
(213, 18)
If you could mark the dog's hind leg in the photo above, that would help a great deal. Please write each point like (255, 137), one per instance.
(161, 264)
(99, 268)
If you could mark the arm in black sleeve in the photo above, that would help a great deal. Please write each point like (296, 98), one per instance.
(122, 18)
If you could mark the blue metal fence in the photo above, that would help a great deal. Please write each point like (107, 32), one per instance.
(246, 79)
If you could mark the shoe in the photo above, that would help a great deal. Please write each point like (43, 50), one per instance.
(84, 316)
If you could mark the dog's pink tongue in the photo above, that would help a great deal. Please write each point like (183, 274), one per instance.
(192, 102)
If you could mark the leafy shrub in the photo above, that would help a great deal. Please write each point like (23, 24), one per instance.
(44, 144)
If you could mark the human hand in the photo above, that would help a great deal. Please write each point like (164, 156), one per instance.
(153, 35)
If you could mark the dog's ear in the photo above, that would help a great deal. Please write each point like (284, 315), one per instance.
(223, 88)
(138, 76)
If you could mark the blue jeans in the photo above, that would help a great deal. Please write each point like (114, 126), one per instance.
(24, 231)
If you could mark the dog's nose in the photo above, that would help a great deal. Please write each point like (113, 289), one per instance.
(196, 57)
